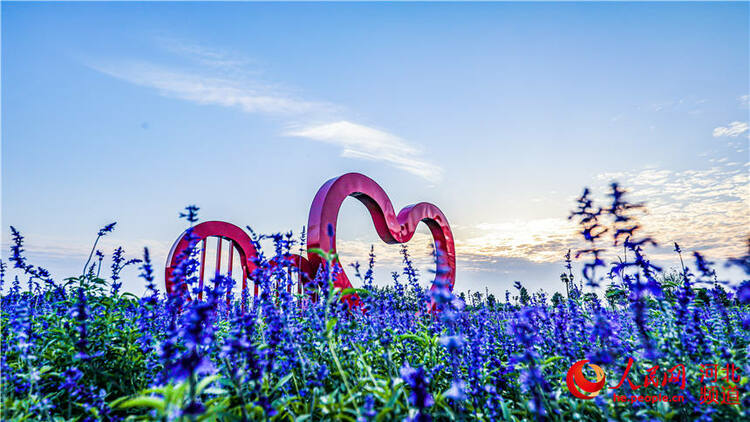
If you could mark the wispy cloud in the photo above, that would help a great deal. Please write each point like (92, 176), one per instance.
(213, 57)
(690, 104)
(537, 240)
(250, 97)
(358, 141)
(733, 130)
(706, 210)
(222, 79)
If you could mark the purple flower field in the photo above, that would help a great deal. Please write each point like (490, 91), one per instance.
(80, 349)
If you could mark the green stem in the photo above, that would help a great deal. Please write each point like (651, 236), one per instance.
(192, 392)
(237, 388)
(90, 255)
(338, 365)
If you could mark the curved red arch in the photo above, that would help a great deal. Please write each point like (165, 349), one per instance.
(390, 227)
(242, 244)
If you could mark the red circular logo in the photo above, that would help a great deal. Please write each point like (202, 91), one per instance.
(579, 386)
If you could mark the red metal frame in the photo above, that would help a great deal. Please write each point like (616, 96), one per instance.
(240, 241)
(391, 228)
(223, 230)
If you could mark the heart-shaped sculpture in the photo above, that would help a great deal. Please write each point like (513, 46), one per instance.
(324, 212)
(241, 242)
(190, 239)
(390, 227)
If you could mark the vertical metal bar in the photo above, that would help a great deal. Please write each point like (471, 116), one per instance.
(299, 281)
(203, 269)
(229, 273)
(244, 279)
(231, 257)
(218, 257)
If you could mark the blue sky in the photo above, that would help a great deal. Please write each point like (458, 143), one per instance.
(498, 113)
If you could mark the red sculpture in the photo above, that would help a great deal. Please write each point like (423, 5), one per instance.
(240, 242)
(222, 230)
(324, 211)
(390, 227)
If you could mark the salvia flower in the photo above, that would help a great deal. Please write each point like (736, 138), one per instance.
(419, 383)
(190, 214)
(17, 258)
(107, 229)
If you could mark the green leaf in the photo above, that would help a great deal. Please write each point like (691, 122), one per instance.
(205, 382)
(550, 360)
(330, 324)
(321, 253)
(421, 340)
(282, 382)
(351, 290)
(144, 401)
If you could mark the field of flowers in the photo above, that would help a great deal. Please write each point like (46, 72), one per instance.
(80, 349)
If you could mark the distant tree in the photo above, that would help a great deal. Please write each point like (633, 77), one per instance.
(615, 295)
(591, 298)
(462, 296)
(491, 302)
(567, 281)
(557, 299)
(701, 297)
(477, 298)
(719, 295)
(525, 298)
(670, 282)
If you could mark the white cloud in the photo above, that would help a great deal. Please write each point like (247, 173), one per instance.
(706, 210)
(358, 141)
(734, 130)
(221, 79)
(250, 97)
(744, 100)
(537, 240)
(222, 59)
